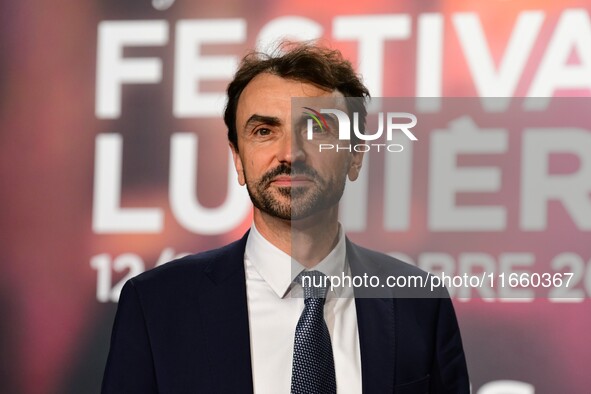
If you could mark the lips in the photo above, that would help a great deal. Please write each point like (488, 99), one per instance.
(293, 180)
(297, 174)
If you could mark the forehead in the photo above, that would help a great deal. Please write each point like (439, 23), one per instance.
(269, 94)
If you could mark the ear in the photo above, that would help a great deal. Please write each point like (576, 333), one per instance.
(355, 166)
(238, 165)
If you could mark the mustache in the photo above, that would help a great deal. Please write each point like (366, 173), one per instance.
(290, 170)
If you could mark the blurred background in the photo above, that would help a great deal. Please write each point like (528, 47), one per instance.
(114, 159)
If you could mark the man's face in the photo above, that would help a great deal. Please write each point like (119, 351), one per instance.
(286, 176)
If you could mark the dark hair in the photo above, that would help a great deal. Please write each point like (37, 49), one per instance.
(304, 62)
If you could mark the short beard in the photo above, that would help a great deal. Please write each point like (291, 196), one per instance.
(301, 202)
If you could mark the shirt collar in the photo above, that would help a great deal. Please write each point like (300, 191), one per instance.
(279, 270)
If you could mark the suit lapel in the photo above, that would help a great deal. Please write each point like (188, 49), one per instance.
(224, 314)
(376, 324)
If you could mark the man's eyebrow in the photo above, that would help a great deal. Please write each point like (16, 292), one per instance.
(262, 119)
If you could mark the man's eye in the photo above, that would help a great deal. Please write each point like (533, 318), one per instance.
(317, 129)
(263, 131)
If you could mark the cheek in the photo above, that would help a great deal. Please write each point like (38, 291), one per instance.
(253, 166)
(259, 160)
(333, 166)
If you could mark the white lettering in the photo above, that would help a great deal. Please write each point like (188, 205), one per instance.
(446, 179)
(107, 214)
(371, 31)
(191, 68)
(572, 33)
(112, 70)
(287, 28)
(187, 210)
(503, 81)
(429, 62)
(538, 187)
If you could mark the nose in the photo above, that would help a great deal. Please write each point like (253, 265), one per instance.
(291, 148)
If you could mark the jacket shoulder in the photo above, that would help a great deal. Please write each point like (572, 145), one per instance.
(389, 263)
(188, 269)
(397, 278)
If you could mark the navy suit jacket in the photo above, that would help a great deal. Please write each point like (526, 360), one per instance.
(183, 328)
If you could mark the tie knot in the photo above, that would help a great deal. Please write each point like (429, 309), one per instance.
(314, 283)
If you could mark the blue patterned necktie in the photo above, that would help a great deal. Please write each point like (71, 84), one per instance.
(313, 363)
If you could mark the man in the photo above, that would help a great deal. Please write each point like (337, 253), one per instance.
(233, 320)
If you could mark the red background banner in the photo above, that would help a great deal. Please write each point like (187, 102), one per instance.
(101, 98)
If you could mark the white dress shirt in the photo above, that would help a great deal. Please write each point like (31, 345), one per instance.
(274, 308)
